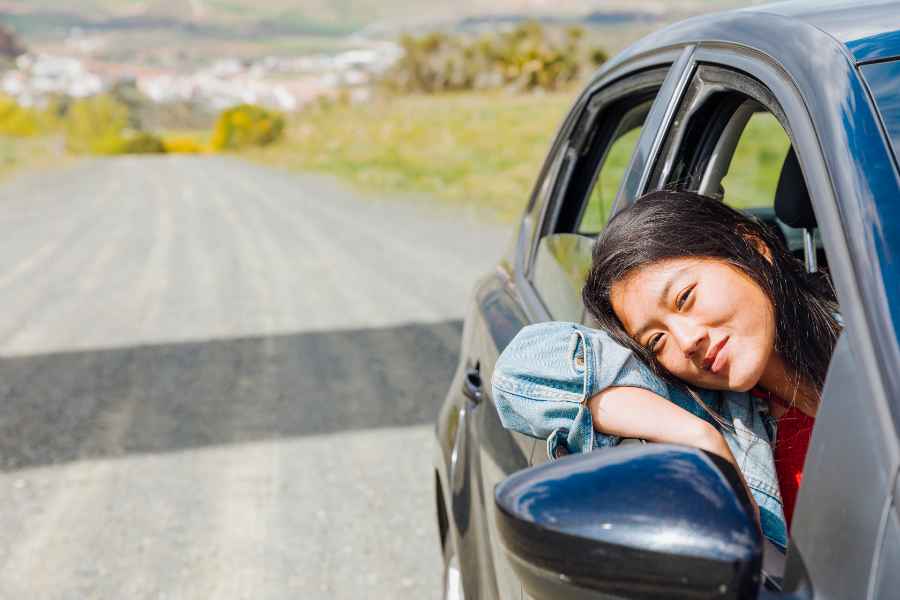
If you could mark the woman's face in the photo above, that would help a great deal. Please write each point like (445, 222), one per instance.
(708, 323)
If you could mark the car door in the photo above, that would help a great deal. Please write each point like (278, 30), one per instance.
(845, 520)
(573, 198)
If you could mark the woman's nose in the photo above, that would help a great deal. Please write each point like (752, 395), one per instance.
(689, 336)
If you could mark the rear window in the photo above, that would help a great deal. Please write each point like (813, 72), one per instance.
(884, 82)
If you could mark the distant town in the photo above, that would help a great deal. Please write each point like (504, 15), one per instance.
(283, 83)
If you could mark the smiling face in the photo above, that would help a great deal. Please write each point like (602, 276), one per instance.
(707, 322)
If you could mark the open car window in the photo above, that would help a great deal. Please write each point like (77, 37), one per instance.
(596, 162)
(611, 173)
(752, 177)
(729, 141)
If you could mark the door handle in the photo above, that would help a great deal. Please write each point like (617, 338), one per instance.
(473, 388)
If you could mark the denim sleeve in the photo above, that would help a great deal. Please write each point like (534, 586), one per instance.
(546, 373)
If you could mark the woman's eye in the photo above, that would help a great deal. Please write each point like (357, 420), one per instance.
(683, 297)
(653, 343)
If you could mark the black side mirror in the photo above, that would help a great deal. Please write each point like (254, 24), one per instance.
(649, 521)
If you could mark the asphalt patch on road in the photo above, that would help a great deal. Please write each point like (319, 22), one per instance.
(71, 406)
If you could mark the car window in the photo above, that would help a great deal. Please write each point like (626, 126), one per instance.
(752, 176)
(561, 267)
(728, 141)
(609, 177)
(596, 171)
(750, 182)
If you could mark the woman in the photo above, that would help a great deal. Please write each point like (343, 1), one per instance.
(688, 293)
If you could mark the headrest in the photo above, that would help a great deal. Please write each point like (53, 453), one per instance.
(792, 204)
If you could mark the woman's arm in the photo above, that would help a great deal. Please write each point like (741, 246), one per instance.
(632, 412)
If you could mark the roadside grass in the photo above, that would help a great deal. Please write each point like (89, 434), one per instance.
(477, 149)
(29, 153)
(481, 149)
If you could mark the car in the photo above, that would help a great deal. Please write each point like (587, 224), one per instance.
(791, 112)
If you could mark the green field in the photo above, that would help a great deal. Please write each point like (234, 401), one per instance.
(482, 150)
(474, 149)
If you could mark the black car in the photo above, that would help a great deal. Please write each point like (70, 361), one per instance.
(814, 92)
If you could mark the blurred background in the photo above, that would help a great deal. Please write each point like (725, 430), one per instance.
(458, 100)
(238, 238)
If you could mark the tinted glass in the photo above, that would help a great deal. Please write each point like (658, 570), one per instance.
(752, 177)
(884, 81)
(608, 180)
(560, 268)
(563, 259)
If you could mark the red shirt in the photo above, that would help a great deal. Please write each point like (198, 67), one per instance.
(791, 443)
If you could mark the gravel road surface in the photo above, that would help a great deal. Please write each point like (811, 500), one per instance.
(218, 380)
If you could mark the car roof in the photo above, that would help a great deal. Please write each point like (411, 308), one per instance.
(865, 31)
(870, 30)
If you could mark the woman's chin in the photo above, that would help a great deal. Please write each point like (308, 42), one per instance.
(743, 381)
(730, 381)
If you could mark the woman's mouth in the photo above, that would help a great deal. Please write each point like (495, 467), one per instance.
(715, 359)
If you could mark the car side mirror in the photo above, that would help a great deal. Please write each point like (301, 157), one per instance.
(645, 521)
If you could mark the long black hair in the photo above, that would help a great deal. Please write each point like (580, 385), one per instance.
(675, 224)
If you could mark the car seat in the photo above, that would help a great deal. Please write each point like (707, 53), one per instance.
(793, 207)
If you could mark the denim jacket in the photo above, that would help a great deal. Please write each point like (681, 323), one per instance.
(547, 372)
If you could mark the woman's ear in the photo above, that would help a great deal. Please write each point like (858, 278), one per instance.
(761, 246)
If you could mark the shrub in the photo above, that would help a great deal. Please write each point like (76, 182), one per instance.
(16, 120)
(96, 125)
(183, 145)
(246, 125)
(528, 57)
(99, 125)
(141, 142)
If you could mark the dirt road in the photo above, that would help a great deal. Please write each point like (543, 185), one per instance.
(219, 381)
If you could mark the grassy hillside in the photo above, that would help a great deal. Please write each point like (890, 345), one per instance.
(471, 149)
(480, 150)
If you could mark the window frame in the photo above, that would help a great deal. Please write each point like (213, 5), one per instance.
(576, 159)
(706, 125)
(624, 126)
(676, 59)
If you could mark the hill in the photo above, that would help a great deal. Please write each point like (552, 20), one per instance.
(306, 16)
(175, 32)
